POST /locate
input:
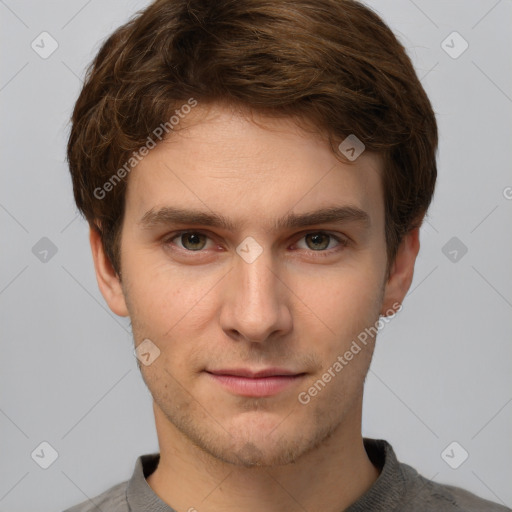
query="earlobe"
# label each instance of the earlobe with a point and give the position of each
(402, 272)
(107, 278)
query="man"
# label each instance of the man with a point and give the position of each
(255, 174)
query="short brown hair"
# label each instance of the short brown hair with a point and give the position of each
(333, 63)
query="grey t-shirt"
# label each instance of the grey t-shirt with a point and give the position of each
(399, 488)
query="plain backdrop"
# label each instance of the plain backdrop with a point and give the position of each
(442, 368)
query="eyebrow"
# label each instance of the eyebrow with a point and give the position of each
(169, 215)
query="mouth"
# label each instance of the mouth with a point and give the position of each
(250, 383)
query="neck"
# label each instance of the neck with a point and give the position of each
(329, 478)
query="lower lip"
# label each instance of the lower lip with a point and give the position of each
(260, 386)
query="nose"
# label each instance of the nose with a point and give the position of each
(256, 301)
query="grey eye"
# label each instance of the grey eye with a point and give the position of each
(317, 241)
(193, 241)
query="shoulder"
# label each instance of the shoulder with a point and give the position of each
(428, 496)
(113, 500)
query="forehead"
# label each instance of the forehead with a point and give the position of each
(250, 168)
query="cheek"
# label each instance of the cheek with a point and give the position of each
(343, 298)
(162, 297)
(342, 307)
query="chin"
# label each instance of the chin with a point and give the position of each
(253, 454)
(261, 443)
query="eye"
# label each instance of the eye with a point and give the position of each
(190, 240)
(318, 241)
(321, 241)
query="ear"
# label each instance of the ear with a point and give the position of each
(108, 280)
(402, 271)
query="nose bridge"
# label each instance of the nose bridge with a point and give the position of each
(256, 307)
(256, 282)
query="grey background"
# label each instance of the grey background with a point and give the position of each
(441, 371)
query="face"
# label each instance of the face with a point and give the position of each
(250, 247)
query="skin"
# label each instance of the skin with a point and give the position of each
(290, 308)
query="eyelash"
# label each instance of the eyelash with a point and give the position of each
(342, 241)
